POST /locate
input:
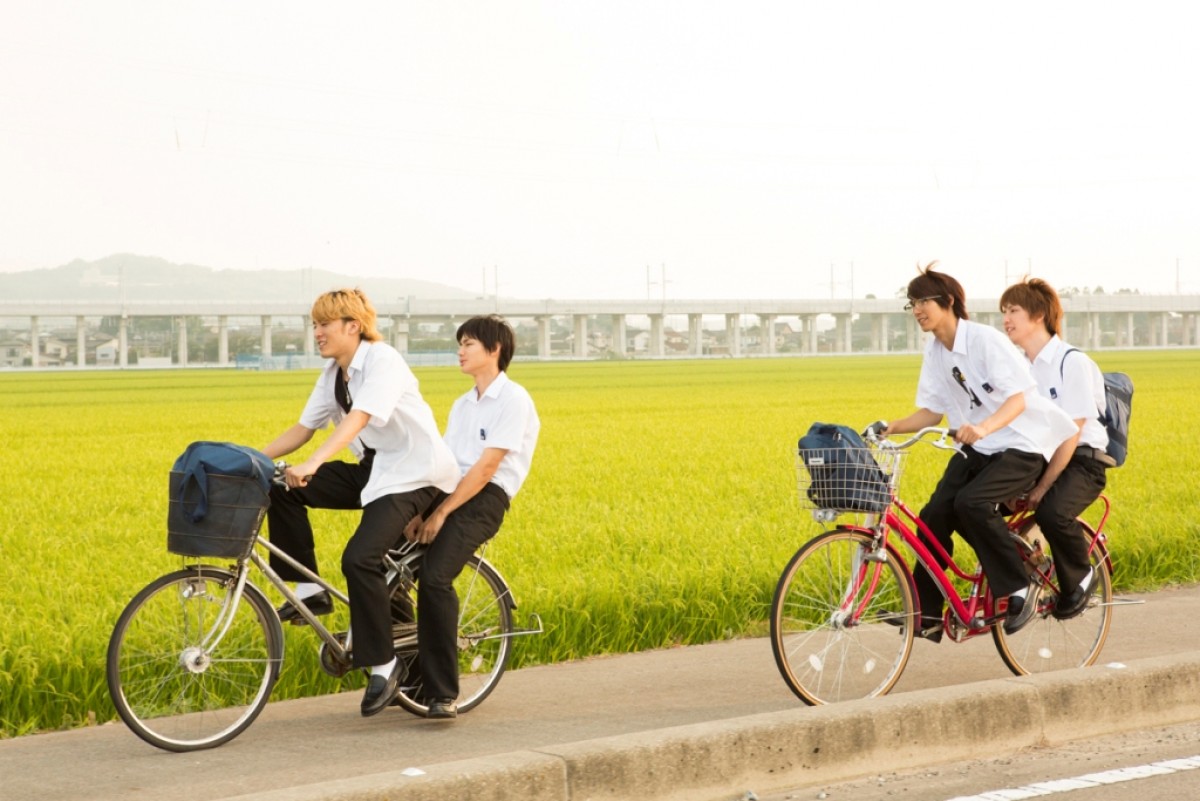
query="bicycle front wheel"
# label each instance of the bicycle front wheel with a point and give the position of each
(187, 667)
(841, 619)
(485, 627)
(1046, 643)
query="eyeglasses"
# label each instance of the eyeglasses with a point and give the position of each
(916, 303)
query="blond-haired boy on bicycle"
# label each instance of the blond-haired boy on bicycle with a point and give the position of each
(372, 398)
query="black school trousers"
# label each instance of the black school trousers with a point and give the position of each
(466, 528)
(338, 485)
(967, 499)
(1079, 484)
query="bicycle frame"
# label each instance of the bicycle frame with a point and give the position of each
(976, 614)
(928, 551)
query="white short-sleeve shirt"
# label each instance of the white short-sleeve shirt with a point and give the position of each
(409, 453)
(1074, 383)
(504, 417)
(970, 382)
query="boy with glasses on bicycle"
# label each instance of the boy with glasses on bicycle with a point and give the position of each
(972, 376)
(371, 396)
(492, 431)
(1075, 476)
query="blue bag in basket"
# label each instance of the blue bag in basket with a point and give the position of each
(845, 476)
(220, 458)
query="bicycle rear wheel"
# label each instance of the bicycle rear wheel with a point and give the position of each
(1046, 643)
(840, 619)
(188, 670)
(485, 625)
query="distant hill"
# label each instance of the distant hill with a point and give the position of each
(147, 278)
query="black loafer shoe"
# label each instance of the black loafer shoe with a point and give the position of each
(319, 604)
(1073, 603)
(442, 709)
(1020, 611)
(381, 690)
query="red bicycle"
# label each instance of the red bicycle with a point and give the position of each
(845, 611)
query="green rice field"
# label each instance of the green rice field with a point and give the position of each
(660, 511)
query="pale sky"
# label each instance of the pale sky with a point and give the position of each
(747, 150)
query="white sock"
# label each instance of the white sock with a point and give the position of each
(306, 589)
(384, 670)
(1021, 593)
(1087, 580)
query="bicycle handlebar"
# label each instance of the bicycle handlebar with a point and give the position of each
(944, 439)
(277, 478)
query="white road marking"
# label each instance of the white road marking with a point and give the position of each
(1055, 786)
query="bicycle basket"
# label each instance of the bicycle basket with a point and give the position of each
(236, 506)
(836, 470)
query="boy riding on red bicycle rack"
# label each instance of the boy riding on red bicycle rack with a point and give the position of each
(972, 376)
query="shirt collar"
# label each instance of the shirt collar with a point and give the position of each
(360, 356)
(1049, 352)
(494, 388)
(960, 336)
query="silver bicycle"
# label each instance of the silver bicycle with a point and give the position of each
(194, 656)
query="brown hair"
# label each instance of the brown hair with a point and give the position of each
(350, 305)
(942, 288)
(1038, 298)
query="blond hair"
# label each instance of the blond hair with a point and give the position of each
(350, 305)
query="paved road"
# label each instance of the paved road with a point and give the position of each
(296, 743)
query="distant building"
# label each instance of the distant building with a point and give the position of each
(14, 352)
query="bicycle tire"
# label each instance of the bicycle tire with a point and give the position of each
(485, 625)
(168, 687)
(1047, 643)
(830, 618)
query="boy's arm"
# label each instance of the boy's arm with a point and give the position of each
(293, 439)
(921, 418)
(350, 427)
(475, 479)
(1010, 410)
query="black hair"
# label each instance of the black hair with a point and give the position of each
(490, 330)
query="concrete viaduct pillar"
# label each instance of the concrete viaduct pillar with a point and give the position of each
(810, 331)
(845, 332)
(35, 342)
(399, 335)
(695, 334)
(266, 336)
(767, 326)
(581, 334)
(123, 342)
(619, 341)
(181, 338)
(223, 340)
(543, 337)
(657, 344)
(80, 341)
(733, 333)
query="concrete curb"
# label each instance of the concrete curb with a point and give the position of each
(777, 750)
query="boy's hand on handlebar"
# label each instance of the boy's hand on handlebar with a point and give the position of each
(969, 434)
(298, 475)
(876, 431)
